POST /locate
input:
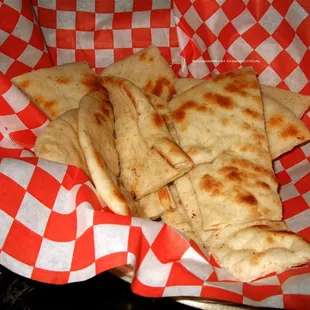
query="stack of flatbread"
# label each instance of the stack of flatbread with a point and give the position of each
(197, 154)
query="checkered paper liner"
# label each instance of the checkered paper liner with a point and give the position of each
(53, 227)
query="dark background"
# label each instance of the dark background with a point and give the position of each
(105, 291)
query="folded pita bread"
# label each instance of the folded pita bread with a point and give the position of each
(294, 133)
(176, 220)
(59, 142)
(177, 217)
(188, 206)
(176, 198)
(71, 117)
(180, 223)
(284, 129)
(96, 136)
(153, 205)
(255, 249)
(220, 124)
(161, 106)
(297, 103)
(147, 69)
(58, 89)
(149, 158)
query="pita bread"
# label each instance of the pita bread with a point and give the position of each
(71, 117)
(58, 89)
(255, 249)
(295, 131)
(176, 198)
(284, 129)
(96, 136)
(149, 158)
(147, 69)
(235, 190)
(179, 219)
(297, 103)
(176, 217)
(59, 142)
(161, 106)
(189, 206)
(183, 84)
(166, 198)
(176, 220)
(220, 125)
(153, 205)
(193, 236)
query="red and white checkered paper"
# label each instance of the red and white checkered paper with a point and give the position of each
(53, 227)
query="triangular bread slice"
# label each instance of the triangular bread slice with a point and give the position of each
(147, 69)
(58, 89)
(297, 103)
(292, 106)
(284, 129)
(59, 142)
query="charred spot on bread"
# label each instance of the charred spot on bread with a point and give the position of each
(24, 84)
(62, 80)
(223, 102)
(157, 120)
(247, 199)
(252, 113)
(276, 121)
(289, 131)
(92, 82)
(159, 86)
(179, 114)
(211, 185)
